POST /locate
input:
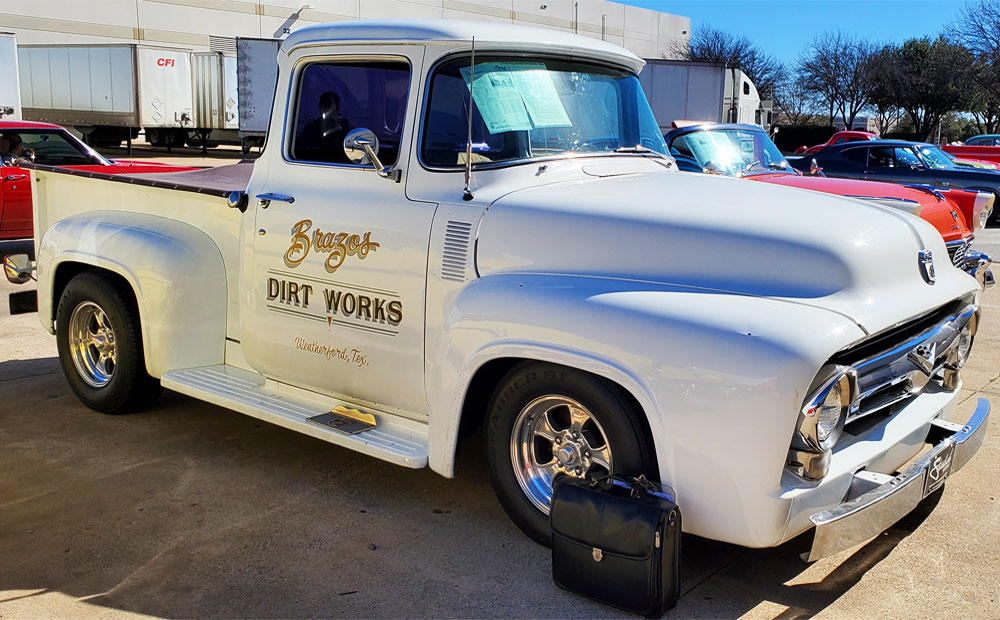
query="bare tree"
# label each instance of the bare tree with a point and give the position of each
(711, 45)
(835, 69)
(978, 29)
(793, 101)
(882, 96)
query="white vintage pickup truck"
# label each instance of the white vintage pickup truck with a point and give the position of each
(391, 273)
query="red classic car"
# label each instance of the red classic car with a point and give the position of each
(745, 151)
(54, 146)
(986, 147)
(837, 138)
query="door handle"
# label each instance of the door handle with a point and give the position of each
(266, 199)
(15, 177)
(866, 172)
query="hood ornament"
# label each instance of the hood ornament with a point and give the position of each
(926, 260)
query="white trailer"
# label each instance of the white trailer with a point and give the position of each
(10, 98)
(700, 91)
(216, 109)
(743, 106)
(257, 76)
(109, 92)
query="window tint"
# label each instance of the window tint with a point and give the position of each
(334, 98)
(881, 158)
(857, 156)
(906, 157)
(53, 148)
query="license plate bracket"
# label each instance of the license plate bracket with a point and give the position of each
(939, 469)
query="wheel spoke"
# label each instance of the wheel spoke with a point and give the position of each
(578, 417)
(543, 427)
(601, 457)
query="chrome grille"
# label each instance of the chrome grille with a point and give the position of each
(903, 365)
(957, 251)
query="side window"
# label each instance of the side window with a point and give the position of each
(906, 157)
(859, 157)
(838, 140)
(881, 158)
(335, 98)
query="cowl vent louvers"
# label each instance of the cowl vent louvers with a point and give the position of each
(455, 255)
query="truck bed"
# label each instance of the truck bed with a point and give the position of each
(60, 193)
(218, 181)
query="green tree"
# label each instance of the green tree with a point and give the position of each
(927, 79)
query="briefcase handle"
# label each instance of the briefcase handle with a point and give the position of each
(637, 487)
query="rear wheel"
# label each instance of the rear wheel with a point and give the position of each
(546, 421)
(100, 346)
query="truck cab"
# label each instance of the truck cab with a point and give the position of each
(458, 224)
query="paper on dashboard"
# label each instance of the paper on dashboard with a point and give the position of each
(497, 97)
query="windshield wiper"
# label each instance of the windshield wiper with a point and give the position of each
(645, 150)
(748, 167)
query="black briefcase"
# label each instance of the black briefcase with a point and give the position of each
(617, 541)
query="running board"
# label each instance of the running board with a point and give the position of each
(394, 439)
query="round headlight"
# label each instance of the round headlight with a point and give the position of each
(823, 414)
(964, 345)
(829, 415)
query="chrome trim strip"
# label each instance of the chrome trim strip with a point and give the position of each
(869, 514)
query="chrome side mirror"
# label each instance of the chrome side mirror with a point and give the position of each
(17, 268)
(361, 147)
(815, 170)
(354, 146)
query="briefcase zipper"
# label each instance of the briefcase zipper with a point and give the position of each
(656, 539)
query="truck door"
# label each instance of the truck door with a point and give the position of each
(15, 203)
(336, 297)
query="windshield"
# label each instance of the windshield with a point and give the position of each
(534, 108)
(935, 157)
(55, 147)
(733, 152)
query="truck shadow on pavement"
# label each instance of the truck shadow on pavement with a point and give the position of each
(189, 510)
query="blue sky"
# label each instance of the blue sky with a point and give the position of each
(785, 27)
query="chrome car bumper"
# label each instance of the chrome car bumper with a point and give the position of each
(877, 501)
(977, 264)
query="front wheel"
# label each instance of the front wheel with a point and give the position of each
(547, 420)
(100, 346)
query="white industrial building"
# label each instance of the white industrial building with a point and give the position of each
(214, 24)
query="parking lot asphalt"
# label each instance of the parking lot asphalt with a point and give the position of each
(189, 510)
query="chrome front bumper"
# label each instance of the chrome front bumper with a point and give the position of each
(977, 265)
(877, 501)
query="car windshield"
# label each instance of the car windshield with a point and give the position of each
(54, 147)
(534, 108)
(935, 157)
(733, 152)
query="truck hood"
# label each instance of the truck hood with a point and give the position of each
(850, 257)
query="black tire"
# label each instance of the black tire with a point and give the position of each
(627, 435)
(130, 388)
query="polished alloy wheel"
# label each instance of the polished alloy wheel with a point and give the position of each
(92, 344)
(556, 435)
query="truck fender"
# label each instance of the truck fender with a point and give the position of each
(175, 271)
(707, 368)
